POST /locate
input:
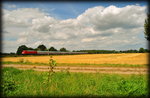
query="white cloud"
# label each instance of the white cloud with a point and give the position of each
(21, 17)
(43, 24)
(111, 17)
(22, 40)
(87, 39)
(96, 28)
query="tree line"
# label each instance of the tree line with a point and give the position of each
(141, 50)
(44, 48)
(39, 48)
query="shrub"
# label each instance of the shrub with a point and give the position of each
(8, 84)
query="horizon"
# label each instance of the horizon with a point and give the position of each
(79, 50)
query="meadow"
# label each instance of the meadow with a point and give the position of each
(33, 83)
(120, 59)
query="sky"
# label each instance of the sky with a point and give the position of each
(74, 25)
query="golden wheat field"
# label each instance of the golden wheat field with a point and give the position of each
(122, 58)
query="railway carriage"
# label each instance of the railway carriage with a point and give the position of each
(33, 52)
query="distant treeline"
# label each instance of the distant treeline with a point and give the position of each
(39, 48)
(44, 48)
(141, 50)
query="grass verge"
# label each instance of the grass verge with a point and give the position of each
(33, 83)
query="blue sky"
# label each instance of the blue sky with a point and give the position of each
(74, 25)
(65, 10)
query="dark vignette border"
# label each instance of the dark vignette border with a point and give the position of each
(1, 45)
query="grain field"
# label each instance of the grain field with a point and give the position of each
(122, 58)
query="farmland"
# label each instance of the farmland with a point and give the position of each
(87, 59)
(119, 75)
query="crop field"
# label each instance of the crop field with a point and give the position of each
(87, 59)
(33, 83)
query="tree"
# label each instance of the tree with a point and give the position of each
(42, 47)
(63, 49)
(29, 48)
(52, 49)
(146, 27)
(141, 50)
(21, 48)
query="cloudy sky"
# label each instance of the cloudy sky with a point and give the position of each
(74, 25)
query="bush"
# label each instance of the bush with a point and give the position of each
(9, 86)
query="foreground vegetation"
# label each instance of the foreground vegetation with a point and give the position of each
(32, 83)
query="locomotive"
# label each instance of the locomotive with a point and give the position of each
(33, 52)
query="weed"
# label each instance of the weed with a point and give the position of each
(52, 64)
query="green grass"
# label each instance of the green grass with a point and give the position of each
(33, 83)
(23, 63)
(73, 64)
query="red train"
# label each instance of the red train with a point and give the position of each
(29, 52)
(33, 52)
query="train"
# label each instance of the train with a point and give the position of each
(33, 52)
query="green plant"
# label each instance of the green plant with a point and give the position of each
(9, 85)
(52, 64)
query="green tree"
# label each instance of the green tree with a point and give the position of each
(21, 48)
(52, 49)
(146, 27)
(30, 48)
(63, 49)
(42, 47)
(141, 50)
